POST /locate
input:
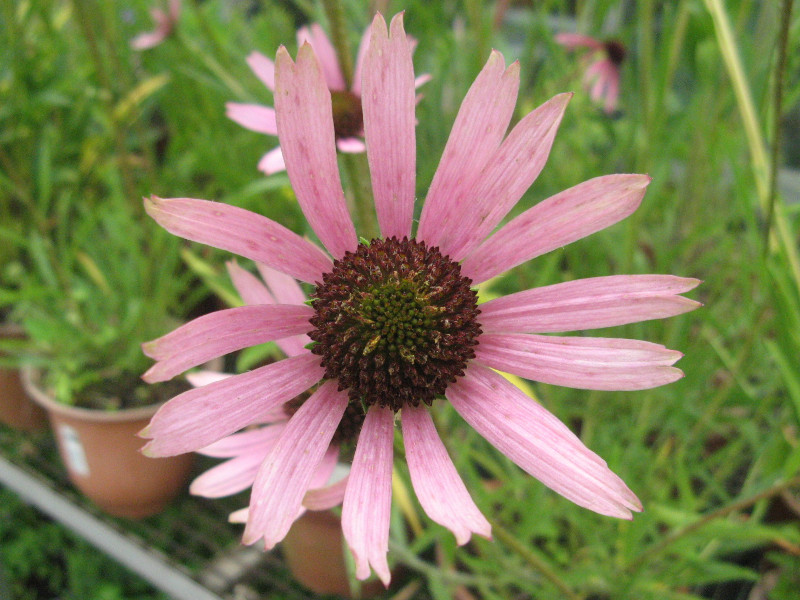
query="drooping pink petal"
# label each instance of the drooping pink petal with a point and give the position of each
(326, 54)
(539, 443)
(593, 72)
(422, 80)
(598, 90)
(579, 362)
(576, 40)
(263, 67)
(198, 417)
(588, 304)
(368, 497)
(388, 103)
(284, 288)
(253, 116)
(436, 482)
(326, 497)
(251, 290)
(149, 39)
(239, 516)
(272, 162)
(477, 132)
(612, 91)
(561, 219)
(241, 232)
(509, 173)
(305, 131)
(204, 377)
(220, 333)
(286, 473)
(230, 477)
(251, 440)
(325, 468)
(351, 145)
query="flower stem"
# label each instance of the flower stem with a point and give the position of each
(335, 13)
(362, 206)
(533, 560)
(777, 113)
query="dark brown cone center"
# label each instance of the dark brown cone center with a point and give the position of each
(348, 120)
(395, 323)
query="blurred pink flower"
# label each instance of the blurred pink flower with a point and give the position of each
(347, 117)
(395, 322)
(165, 23)
(602, 72)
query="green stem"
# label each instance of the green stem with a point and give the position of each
(335, 13)
(362, 206)
(502, 534)
(777, 112)
(721, 512)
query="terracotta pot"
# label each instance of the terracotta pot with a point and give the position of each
(16, 408)
(102, 454)
(314, 552)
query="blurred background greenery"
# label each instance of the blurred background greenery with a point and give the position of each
(88, 126)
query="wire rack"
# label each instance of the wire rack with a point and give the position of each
(189, 551)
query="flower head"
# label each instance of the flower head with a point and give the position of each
(394, 323)
(165, 22)
(348, 122)
(602, 72)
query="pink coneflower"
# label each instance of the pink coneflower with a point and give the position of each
(348, 123)
(165, 22)
(602, 72)
(394, 321)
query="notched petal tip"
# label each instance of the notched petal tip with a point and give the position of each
(144, 433)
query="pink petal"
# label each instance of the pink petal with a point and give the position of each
(477, 132)
(325, 468)
(539, 443)
(561, 219)
(579, 362)
(598, 90)
(284, 288)
(241, 232)
(509, 173)
(230, 477)
(422, 80)
(436, 482)
(195, 419)
(326, 54)
(287, 472)
(272, 162)
(576, 40)
(201, 378)
(151, 39)
(220, 333)
(263, 67)
(612, 91)
(368, 498)
(253, 116)
(326, 497)
(305, 130)
(388, 103)
(588, 304)
(239, 516)
(251, 440)
(351, 145)
(251, 290)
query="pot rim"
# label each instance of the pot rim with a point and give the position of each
(30, 381)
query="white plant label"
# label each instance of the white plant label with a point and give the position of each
(74, 455)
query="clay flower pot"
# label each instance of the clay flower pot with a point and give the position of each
(101, 452)
(314, 552)
(16, 408)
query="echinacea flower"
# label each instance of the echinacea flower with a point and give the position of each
(602, 72)
(394, 320)
(347, 119)
(165, 22)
